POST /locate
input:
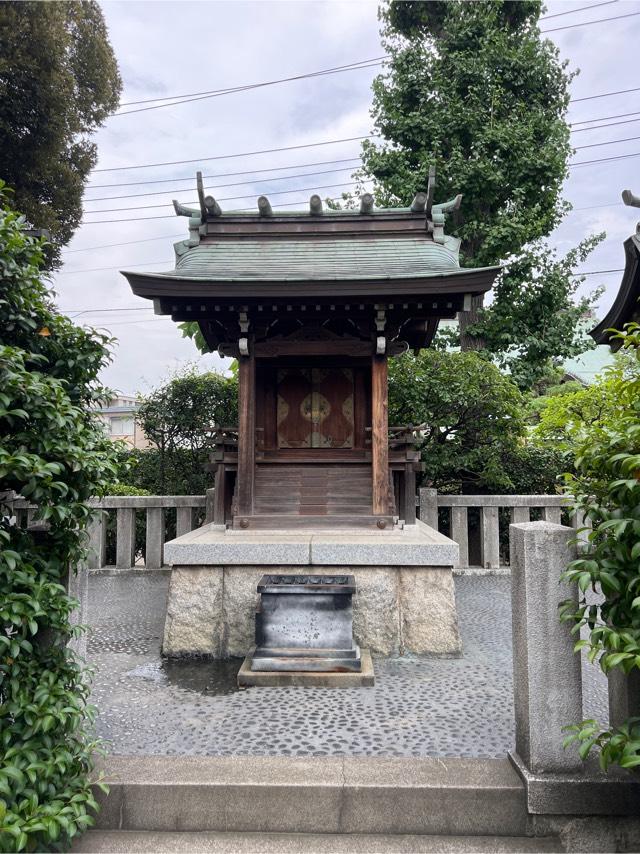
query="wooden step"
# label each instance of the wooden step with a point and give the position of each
(278, 521)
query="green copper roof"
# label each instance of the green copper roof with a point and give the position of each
(322, 259)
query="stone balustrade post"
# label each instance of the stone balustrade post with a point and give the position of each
(429, 507)
(460, 533)
(547, 679)
(624, 696)
(97, 530)
(125, 537)
(489, 537)
(154, 543)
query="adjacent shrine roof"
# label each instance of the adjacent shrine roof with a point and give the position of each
(626, 306)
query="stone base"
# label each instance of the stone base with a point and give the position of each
(396, 610)
(279, 679)
(404, 601)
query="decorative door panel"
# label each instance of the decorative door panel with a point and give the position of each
(294, 408)
(315, 408)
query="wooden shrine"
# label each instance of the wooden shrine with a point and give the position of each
(312, 304)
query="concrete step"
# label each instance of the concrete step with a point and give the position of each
(120, 842)
(250, 794)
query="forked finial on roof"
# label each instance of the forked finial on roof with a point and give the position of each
(315, 205)
(366, 203)
(264, 206)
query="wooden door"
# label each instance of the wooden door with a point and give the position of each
(315, 408)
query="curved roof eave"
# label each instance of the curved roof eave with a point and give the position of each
(626, 306)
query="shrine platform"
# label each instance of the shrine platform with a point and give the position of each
(404, 601)
(413, 545)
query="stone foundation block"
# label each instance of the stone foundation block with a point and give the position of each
(375, 610)
(193, 624)
(428, 617)
(211, 609)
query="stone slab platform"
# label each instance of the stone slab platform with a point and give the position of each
(188, 842)
(413, 545)
(248, 678)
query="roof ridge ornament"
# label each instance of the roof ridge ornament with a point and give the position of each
(632, 201)
(435, 214)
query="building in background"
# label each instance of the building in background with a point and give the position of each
(120, 421)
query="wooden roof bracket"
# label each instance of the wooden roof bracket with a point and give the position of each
(381, 322)
(243, 341)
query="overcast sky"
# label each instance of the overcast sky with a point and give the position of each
(175, 48)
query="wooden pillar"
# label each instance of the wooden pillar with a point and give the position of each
(379, 436)
(246, 432)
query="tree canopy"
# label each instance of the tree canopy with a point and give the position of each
(472, 89)
(475, 90)
(472, 417)
(59, 81)
(178, 418)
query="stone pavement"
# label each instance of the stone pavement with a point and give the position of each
(419, 706)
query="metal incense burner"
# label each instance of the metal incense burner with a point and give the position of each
(305, 623)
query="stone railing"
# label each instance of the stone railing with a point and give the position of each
(155, 507)
(190, 511)
(486, 530)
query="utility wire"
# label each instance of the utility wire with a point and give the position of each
(226, 174)
(609, 142)
(586, 23)
(581, 9)
(242, 154)
(270, 180)
(603, 119)
(608, 125)
(346, 67)
(604, 159)
(190, 188)
(230, 198)
(126, 243)
(217, 93)
(177, 100)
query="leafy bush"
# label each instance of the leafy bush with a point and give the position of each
(52, 452)
(179, 418)
(606, 488)
(472, 417)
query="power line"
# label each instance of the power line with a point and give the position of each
(604, 159)
(217, 93)
(271, 180)
(227, 198)
(177, 100)
(586, 23)
(581, 9)
(346, 67)
(224, 174)
(102, 269)
(606, 94)
(101, 310)
(608, 125)
(242, 154)
(603, 119)
(232, 184)
(126, 243)
(609, 142)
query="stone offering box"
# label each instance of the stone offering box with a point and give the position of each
(305, 623)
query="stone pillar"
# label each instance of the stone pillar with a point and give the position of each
(97, 530)
(460, 533)
(154, 547)
(547, 680)
(624, 696)
(125, 537)
(489, 538)
(429, 507)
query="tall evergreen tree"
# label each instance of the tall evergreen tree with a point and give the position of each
(475, 90)
(59, 81)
